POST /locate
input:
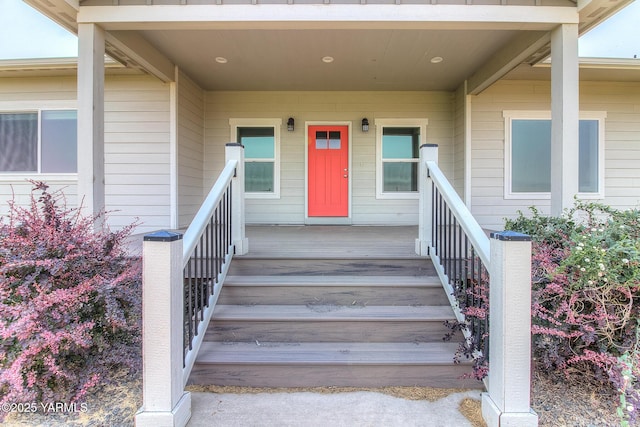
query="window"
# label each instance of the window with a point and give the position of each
(528, 155)
(399, 144)
(328, 140)
(42, 141)
(260, 138)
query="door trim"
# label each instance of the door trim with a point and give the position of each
(346, 220)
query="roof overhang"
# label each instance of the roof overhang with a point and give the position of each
(375, 46)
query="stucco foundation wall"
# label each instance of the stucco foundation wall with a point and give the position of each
(437, 107)
(620, 101)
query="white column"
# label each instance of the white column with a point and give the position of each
(564, 117)
(91, 47)
(428, 152)
(165, 403)
(235, 151)
(507, 400)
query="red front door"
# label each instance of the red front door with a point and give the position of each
(328, 171)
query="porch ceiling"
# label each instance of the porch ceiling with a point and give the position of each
(374, 59)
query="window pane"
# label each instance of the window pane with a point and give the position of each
(400, 176)
(19, 142)
(259, 143)
(400, 143)
(322, 140)
(334, 140)
(59, 136)
(531, 156)
(588, 154)
(258, 177)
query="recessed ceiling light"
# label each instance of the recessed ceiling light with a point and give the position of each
(436, 59)
(221, 60)
(327, 59)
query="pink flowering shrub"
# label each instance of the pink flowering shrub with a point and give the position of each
(473, 300)
(585, 293)
(70, 303)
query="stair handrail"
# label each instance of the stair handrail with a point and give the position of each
(183, 275)
(465, 218)
(460, 251)
(206, 210)
(206, 286)
(477, 271)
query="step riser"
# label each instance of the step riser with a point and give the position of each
(310, 267)
(327, 331)
(344, 295)
(339, 376)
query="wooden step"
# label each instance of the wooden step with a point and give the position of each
(329, 323)
(277, 364)
(361, 322)
(339, 290)
(247, 266)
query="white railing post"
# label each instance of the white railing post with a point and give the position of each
(428, 152)
(235, 151)
(507, 400)
(165, 403)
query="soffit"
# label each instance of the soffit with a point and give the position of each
(363, 59)
(591, 69)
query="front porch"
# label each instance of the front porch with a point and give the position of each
(301, 306)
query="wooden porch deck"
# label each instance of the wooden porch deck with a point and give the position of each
(321, 242)
(331, 242)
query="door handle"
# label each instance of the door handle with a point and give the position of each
(346, 174)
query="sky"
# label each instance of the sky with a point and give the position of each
(25, 33)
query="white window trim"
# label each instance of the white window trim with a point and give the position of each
(510, 115)
(37, 106)
(396, 123)
(235, 123)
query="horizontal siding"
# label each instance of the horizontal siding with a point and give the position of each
(32, 93)
(18, 190)
(459, 143)
(190, 122)
(437, 107)
(621, 102)
(137, 152)
(136, 146)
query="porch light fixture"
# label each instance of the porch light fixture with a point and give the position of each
(437, 59)
(290, 124)
(221, 60)
(365, 125)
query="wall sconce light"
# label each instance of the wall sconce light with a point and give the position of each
(290, 124)
(365, 125)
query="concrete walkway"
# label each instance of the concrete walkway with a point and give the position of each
(350, 409)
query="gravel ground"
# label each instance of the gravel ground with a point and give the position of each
(558, 403)
(110, 405)
(577, 402)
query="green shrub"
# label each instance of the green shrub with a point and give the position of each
(585, 292)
